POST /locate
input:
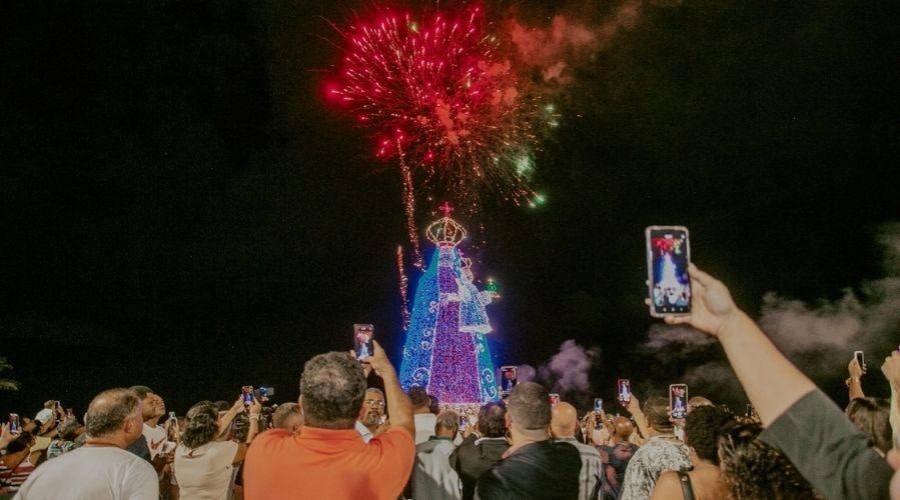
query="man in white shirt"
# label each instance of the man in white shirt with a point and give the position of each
(101, 469)
(433, 477)
(425, 420)
(371, 413)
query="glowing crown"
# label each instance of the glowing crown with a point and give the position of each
(445, 232)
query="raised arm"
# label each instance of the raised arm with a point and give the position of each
(854, 382)
(399, 404)
(772, 383)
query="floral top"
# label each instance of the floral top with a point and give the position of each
(658, 455)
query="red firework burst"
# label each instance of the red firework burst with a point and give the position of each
(441, 97)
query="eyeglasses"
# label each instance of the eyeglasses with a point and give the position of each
(373, 402)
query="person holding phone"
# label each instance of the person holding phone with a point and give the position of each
(799, 419)
(203, 466)
(328, 459)
(662, 451)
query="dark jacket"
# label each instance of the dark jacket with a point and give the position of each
(473, 457)
(541, 470)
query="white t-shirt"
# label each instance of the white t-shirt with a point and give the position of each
(156, 439)
(424, 426)
(205, 472)
(363, 431)
(92, 473)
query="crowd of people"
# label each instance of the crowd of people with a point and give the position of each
(348, 439)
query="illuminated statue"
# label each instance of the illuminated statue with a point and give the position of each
(446, 350)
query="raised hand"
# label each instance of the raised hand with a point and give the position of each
(711, 307)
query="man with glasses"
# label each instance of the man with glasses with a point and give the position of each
(371, 415)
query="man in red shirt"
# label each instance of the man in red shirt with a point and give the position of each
(328, 459)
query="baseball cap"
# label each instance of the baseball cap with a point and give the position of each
(44, 416)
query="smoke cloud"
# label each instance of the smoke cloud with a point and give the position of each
(823, 336)
(557, 50)
(819, 337)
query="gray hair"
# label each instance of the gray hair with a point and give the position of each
(109, 410)
(529, 406)
(332, 387)
(68, 429)
(447, 419)
(283, 415)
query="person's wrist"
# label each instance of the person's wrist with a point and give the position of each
(851, 381)
(729, 325)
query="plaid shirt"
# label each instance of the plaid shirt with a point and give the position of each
(591, 467)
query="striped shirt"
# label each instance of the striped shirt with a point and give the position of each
(12, 479)
(591, 467)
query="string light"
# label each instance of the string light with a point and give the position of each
(446, 348)
(404, 287)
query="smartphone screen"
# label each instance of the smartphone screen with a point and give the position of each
(363, 334)
(463, 422)
(172, 417)
(860, 359)
(509, 377)
(247, 393)
(678, 397)
(554, 399)
(598, 405)
(14, 423)
(668, 255)
(623, 390)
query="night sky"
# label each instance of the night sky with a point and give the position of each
(182, 209)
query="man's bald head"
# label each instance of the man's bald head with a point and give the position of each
(622, 428)
(563, 420)
(698, 401)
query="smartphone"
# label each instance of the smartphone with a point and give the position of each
(668, 256)
(265, 390)
(172, 417)
(554, 399)
(598, 405)
(750, 411)
(247, 393)
(509, 377)
(623, 390)
(678, 397)
(14, 423)
(463, 422)
(860, 360)
(363, 334)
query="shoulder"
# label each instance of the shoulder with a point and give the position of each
(668, 479)
(396, 436)
(273, 435)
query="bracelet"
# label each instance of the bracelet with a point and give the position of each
(851, 380)
(254, 416)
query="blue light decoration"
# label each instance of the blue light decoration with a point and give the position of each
(446, 349)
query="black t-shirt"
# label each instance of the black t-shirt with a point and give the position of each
(541, 470)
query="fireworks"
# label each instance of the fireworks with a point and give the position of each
(442, 97)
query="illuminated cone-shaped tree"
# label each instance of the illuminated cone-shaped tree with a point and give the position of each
(446, 350)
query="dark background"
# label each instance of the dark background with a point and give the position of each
(181, 208)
